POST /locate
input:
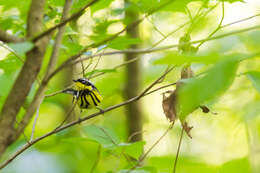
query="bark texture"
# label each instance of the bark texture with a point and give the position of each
(26, 77)
(39, 96)
(133, 110)
(8, 38)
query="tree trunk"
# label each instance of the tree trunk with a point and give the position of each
(133, 110)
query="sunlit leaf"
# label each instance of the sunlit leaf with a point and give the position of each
(176, 58)
(123, 42)
(180, 5)
(133, 149)
(252, 110)
(101, 135)
(146, 169)
(22, 6)
(237, 166)
(10, 64)
(100, 5)
(101, 27)
(254, 77)
(100, 71)
(231, 1)
(21, 48)
(56, 2)
(133, 171)
(197, 91)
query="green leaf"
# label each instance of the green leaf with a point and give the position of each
(101, 135)
(101, 27)
(231, 1)
(56, 2)
(176, 58)
(10, 64)
(100, 71)
(179, 5)
(254, 77)
(133, 149)
(21, 48)
(201, 89)
(123, 42)
(100, 5)
(237, 166)
(22, 6)
(251, 110)
(133, 171)
(145, 169)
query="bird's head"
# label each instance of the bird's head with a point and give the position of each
(84, 83)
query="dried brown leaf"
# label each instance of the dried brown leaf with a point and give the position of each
(168, 105)
(187, 128)
(204, 109)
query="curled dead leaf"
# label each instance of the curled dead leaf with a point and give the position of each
(204, 109)
(187, 128)
(168, 105)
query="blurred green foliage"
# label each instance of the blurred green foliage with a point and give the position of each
(225, 80)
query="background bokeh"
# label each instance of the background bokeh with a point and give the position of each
(226, 140)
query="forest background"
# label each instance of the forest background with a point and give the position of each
(136, 52)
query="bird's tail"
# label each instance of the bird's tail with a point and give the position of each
(71, 91)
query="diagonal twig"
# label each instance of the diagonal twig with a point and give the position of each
(56, 130)
(64, 22)
(178, 151)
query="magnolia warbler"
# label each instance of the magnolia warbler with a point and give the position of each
(86, 95)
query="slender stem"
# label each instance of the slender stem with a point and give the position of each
(35, 121)
(56, 130)
(218, 27)
(150, 149)
(178, 151)
(97, 159)
(72, 17)
(145, 51)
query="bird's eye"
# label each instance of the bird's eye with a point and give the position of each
(83, 81)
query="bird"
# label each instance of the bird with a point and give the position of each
(85, 94)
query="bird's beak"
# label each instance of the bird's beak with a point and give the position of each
(74, 80)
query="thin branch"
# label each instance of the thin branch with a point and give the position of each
(91, 77)
(94, 68)
(101, 73)
(148, 19)
(56, 130)
(116, 144)
(39, 96)
(134, 134)
(35, 121)
(178, 151)
(159, 88)
(68, 114)
(26, 77)
(97, 159)
(145, 51)
(58, 92)
(156, 81)
(218, 27)
(64, 22)
(198, 16)
(13, 52)
(141, 159)
(239, 21)
(94, 45)
(168, 35)
(116, 67)
(8, 38)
